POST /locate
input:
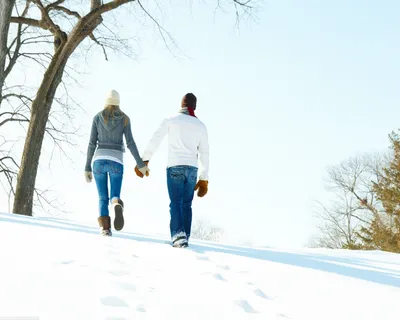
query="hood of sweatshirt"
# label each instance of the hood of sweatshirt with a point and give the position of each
(112, 121)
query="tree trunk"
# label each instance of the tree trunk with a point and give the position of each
(41, 106)
(6, 7)
(23, 201)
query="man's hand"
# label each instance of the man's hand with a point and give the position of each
(88, 176)
(202, 185)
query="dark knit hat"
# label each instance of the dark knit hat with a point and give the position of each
(189, 100)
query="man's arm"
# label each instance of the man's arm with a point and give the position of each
(155, 141)
(91, 147)
(204, 156)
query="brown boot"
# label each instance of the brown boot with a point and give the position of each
(118, 207)
(105, 225)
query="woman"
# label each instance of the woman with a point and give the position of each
(108, 128)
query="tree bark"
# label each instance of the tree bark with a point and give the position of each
(6, 7)
(41, 106)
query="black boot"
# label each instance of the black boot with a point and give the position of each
(118, 206)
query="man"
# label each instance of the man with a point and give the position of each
(187, 138)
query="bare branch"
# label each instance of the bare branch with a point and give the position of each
(243, 4)
(17, 41)
(78, 16)
(94, 4)
(54, 4)
(14, 58)
(42, 200)
(11, 119)
(52, 27)
(9, 158)
(19, 96)
(107, 7)
(67, 11)
(15, 115)
(30, 22)
(159, 27)
(37, 39)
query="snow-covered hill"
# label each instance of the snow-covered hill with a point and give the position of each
(60, 269)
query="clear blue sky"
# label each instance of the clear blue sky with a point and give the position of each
(304, 86)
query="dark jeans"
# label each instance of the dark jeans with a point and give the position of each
(102, 170)
(181, 181)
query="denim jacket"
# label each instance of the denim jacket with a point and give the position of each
(110, 136)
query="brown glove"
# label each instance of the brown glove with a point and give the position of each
(138, 173)
(202, 185)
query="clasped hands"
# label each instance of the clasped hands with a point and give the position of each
(144, 171)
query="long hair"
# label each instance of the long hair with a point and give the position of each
(111, 111)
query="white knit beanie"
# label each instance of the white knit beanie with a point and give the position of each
(112, 98)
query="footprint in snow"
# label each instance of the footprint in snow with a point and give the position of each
(245, 306)
(250, 283)
(119, 273)
(224, 267)
(135, 256)
(113, 302)
(127, 286)
(218, 276)
(120, 262)
(204, 258)
(261, 294)
(113, 252)
(283, 315)
(140, 308)
(67, 262)
(115, 318)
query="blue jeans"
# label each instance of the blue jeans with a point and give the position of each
(181, 181)
(102, 169)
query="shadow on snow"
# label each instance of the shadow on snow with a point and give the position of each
(317, 262)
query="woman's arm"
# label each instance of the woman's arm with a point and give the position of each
(91, 147)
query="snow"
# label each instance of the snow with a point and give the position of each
(57, 269)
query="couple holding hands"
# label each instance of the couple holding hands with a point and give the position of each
(187, 144)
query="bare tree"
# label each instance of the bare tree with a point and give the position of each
(15, 104)
(354, 201)
(6, 7)
(65, 44)
(203, 230)
(338, 227)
